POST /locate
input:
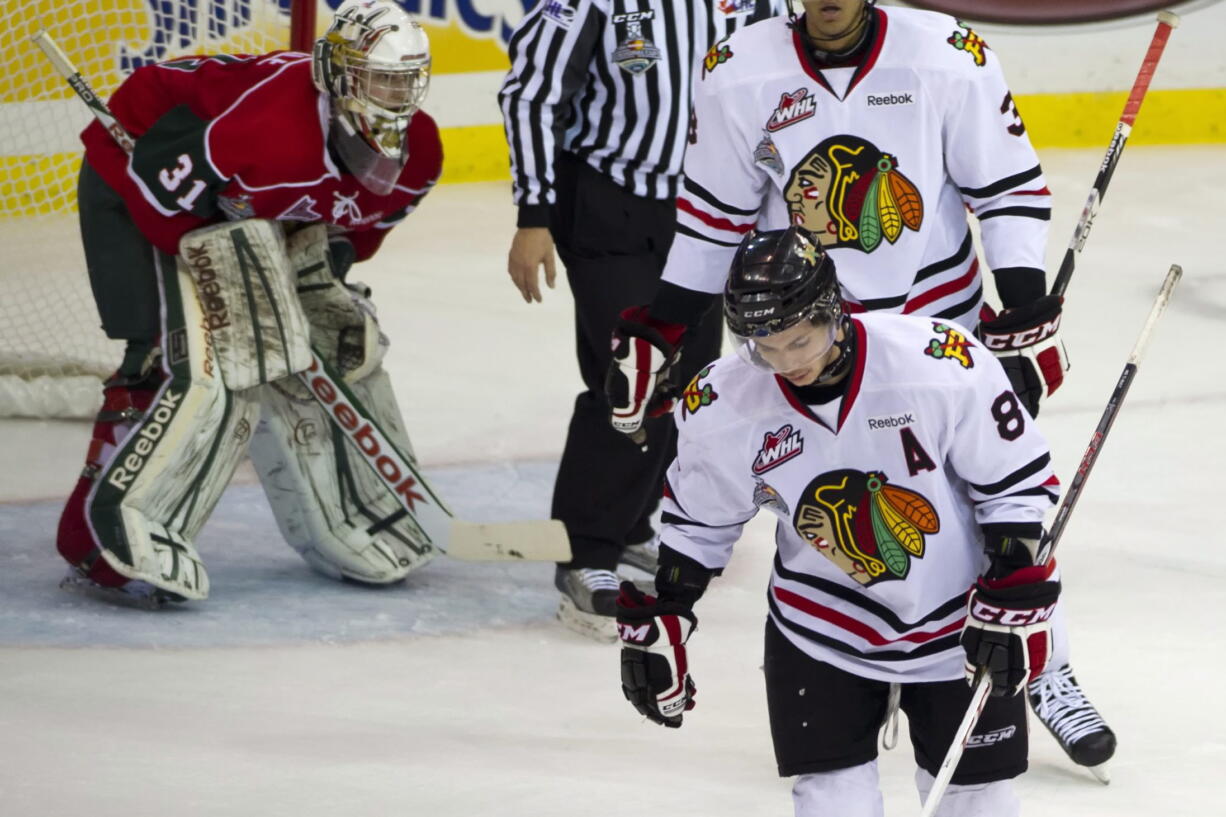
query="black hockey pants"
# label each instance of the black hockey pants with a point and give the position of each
(613, 245)
(121, 268)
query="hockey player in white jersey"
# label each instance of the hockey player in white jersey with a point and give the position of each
(878, 130)
(904, 472)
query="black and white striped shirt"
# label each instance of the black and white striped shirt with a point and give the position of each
(609, 81)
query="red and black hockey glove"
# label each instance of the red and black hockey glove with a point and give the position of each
(1008, 627)
(655, 670)
(1027, 342)
(639, 381)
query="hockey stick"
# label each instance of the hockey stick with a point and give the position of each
(1167, 22)
(534, 540)
(983, 681)
(1109, 414)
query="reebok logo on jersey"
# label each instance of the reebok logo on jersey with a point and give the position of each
(991, 738)
(777, 448)
(892, 421)
(794, 107)
(878, 100)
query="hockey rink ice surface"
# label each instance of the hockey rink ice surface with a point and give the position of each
(287, 695)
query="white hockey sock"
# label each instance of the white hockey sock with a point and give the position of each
(997, 798)
(850, 792)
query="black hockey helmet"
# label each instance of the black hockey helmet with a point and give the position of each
(777, 279)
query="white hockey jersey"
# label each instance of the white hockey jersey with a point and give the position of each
(881, 161)
(879, 503)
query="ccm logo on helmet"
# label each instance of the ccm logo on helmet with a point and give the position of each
(999, 341)
(758, 313)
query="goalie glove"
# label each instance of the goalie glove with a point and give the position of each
(655, 670)
(1027, 342)
(1008, 627)
(639, 381)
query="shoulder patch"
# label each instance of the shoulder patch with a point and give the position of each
(697, 395)
(954, 346)
(558, 12)
(970, 42)
(719, 54)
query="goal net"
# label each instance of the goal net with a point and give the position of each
(53, 353)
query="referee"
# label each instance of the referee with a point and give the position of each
(597, 111)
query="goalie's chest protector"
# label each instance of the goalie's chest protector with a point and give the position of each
(877, 538)
(857, 154)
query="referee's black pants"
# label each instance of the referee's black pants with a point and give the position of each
(613, 245)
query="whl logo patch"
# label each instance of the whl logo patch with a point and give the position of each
(777, 448)
(794, 107)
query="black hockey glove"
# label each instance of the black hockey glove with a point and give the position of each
(639, 381)
(1026, 340)
(1008, 627)
(655, 671)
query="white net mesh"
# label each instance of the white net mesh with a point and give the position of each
(52, 351)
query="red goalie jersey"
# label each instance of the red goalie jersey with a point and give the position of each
(245, 137)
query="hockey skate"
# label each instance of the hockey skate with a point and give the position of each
(1060, 704)
(638, 564)
(135, 593)
(589, 601)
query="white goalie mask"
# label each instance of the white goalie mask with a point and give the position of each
(374, 61)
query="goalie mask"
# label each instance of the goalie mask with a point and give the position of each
(782, 303)
(374, 62)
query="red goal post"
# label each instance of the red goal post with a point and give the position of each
(53, 354)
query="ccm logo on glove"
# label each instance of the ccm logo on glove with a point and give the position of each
(983, 611)
(1000, 341)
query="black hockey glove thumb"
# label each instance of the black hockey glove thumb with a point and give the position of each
(639, 381)
(655, 670)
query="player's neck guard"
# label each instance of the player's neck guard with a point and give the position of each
(866, 23)
(376, 172)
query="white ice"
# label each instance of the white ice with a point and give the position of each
(458, 694)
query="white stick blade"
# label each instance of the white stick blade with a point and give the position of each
(542, 540)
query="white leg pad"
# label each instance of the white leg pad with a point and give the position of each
(163, 479)
(997, 798)
(247, 289)
(329, 505)
(853, 792)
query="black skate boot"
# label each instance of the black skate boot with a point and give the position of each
(1063, 708)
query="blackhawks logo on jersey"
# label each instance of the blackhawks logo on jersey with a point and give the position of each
(852, 194)
(868, 527)
(953, 346)
(719, 54)
(970, 42)
(697, 395)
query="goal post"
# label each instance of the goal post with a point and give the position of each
(53, 354)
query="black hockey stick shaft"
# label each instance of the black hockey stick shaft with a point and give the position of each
(1110, 413)
(544, 540)
(1167, 22)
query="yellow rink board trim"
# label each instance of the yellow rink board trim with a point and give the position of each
(32, 185)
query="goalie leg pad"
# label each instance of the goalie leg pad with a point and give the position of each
(163, 452)
(330, 506)
(242, 276)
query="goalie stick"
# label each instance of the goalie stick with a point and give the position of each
(532, 540)
(983, 681)
(1168, 21)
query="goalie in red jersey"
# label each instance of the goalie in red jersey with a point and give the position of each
(218, 251)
